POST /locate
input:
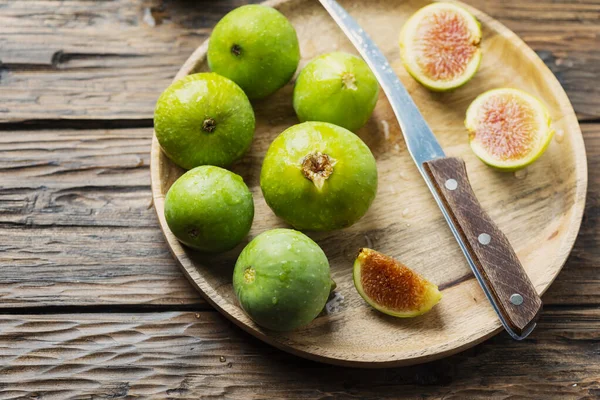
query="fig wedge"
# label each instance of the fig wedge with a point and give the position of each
(391, 287)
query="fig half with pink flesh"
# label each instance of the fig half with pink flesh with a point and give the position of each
(508, 128)
(439, 46)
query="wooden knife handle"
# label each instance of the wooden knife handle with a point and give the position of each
(515, 297)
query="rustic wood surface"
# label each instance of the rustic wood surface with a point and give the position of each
(539, 209)
(201, 355)
(78, 234)
(83, 59)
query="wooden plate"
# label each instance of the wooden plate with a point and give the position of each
(539, 209)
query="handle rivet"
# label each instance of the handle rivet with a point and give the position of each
(451, 184)
(516, 299)
(484, 239)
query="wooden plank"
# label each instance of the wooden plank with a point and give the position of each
(77, 225)
(111, 59)
(99, 59)
(579, 280)
(200, 355)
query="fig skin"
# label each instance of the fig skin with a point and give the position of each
(338, 88)
(282, 279)
(209, 209)
(204, 119)
(395, 282)
(256, 47)
(335, 202)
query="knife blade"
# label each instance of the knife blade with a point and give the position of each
(487, 250)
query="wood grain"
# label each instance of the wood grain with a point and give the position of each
(95, 59)
(201, 355)
(76, 222)
(75, 267)
(103, 59)
(540, 214)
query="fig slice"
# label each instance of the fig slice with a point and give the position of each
(508, 128)
(391, 287)
(439, 46)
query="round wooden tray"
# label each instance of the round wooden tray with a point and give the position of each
(538, 209)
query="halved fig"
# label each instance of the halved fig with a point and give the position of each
(508, 128)
(439, 46)
(391, 287)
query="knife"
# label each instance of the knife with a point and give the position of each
(487, 250)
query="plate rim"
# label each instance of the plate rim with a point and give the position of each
(574, 224)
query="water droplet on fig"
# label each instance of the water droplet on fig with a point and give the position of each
(559, 135)
(386, 129)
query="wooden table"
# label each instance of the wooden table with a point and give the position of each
(92, 305)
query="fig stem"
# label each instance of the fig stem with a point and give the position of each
(209, 125)
(317, 167)
(249, 275)
(236, 50)
(349, 81)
